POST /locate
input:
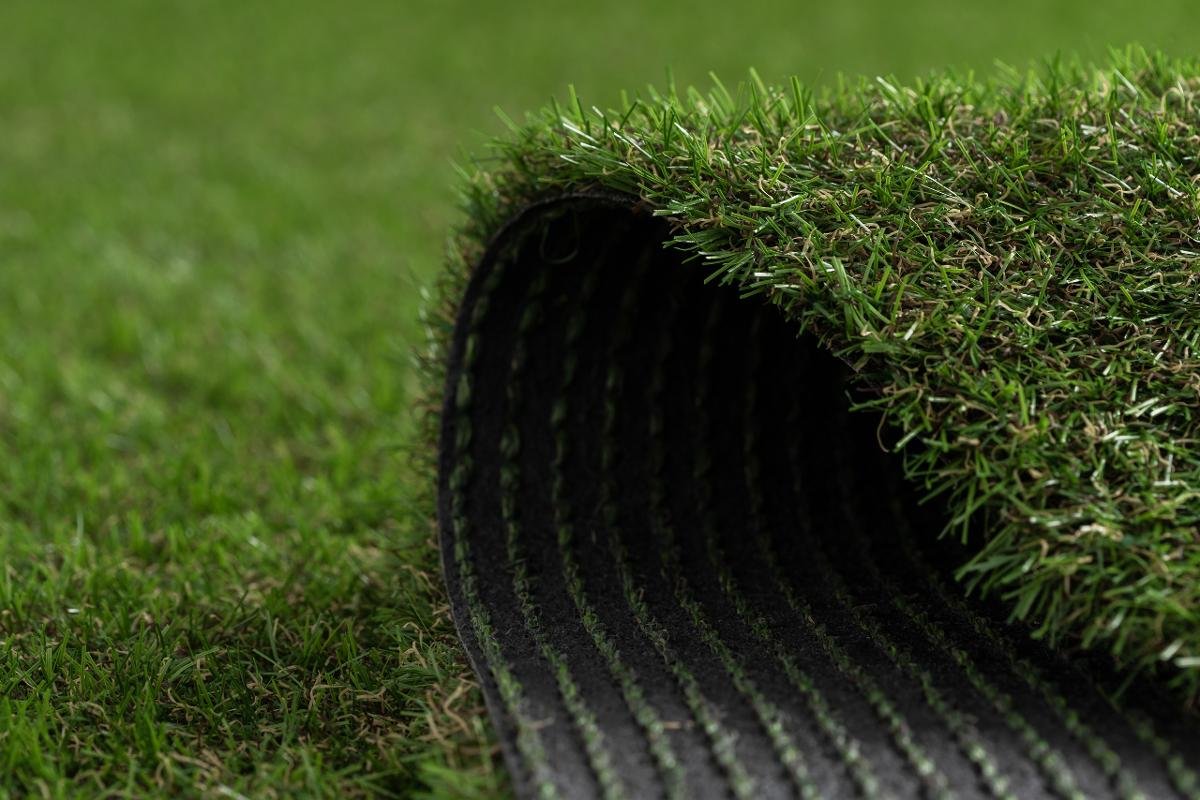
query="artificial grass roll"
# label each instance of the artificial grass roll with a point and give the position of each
(718, 370)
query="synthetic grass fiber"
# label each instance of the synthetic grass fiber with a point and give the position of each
(834, 445)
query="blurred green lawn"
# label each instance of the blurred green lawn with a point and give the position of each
(215, 221)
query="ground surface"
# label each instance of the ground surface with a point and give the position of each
(215, 218)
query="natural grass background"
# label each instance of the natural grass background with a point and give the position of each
(215, 220)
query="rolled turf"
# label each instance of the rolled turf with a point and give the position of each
(838, 445)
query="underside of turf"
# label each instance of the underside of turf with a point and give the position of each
(682, 565)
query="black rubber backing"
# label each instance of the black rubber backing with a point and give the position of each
(681, 567)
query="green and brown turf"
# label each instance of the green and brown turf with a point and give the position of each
(218, 576)
(684, 336)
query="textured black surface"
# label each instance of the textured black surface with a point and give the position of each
(681, 567)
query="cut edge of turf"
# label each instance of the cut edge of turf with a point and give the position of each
(724, 167)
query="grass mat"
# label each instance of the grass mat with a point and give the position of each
(681, 340)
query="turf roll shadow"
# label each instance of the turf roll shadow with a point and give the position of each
(682, 566)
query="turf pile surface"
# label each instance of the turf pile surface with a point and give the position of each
(837, 445)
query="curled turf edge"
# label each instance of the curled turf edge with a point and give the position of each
(1013, 264)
